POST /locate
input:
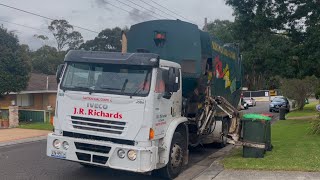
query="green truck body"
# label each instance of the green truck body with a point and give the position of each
(195, 50)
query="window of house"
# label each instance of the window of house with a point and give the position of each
(24, 100)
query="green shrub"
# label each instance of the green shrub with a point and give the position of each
(315, 126)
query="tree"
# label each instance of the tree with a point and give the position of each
(46, 60)
(107, 40)
(317, 93)
(64, 35)
(222, 29)
(14, 63)
(277, 37)
(269, 57)
(42, 38)
(299, 89)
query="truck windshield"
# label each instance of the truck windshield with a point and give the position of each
(107, 78)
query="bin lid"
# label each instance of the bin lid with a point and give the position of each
(255, 117)
(267, 114)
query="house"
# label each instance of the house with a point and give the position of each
(40, 93)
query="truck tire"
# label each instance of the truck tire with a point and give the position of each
(176, 158)
(225, 131)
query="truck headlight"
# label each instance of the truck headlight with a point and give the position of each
(271, 105)
(121, 153)
(132, 155)
(65, 145)
(56, 143)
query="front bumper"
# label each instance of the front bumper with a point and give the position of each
(102, 153)
(277, 108)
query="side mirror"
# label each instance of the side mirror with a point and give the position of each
(59, 72)
(173, 79)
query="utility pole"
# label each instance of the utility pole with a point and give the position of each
(205, 27)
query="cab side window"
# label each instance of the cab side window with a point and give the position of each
(161, 81)
(162, 84)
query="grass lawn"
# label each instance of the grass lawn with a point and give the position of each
(39, 126)
(294, 150)
(308, 110)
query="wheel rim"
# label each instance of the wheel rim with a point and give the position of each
(176, 156)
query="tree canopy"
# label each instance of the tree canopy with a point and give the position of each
(299, 89)
(107, 40)
(276, 38)
(46, 60)
(64, 34)
(14, 63)
(222, 29)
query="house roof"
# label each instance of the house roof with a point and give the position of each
(42, 82)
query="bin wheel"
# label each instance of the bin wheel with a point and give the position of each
(176, 158)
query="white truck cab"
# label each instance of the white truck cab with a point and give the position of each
(121, 111)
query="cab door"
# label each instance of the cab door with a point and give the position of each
(167, 102)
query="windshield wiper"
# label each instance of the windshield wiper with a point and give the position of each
(124, 85)
(108, 87)
(137, 91)
(141, 88)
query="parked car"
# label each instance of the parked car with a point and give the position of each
(244, 104)
(279, 102)
(250, 101)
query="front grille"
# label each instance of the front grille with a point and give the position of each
(99, 159)
(93, 148)
(83, 156)
(98, 125)
(98, 138)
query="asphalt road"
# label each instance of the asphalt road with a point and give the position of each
(262, 107)
(29, 161)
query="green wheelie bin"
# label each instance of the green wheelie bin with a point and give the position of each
(256, 128)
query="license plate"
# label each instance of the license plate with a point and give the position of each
(58, 154)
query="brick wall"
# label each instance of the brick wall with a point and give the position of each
(52, 100)
(37, 102)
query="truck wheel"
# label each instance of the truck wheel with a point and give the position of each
(224, 136)
(176, 158)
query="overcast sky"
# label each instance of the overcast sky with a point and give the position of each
(100, 14)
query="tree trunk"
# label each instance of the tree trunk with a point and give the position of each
(301, 103)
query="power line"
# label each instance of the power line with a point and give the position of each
(138, 15)
(170, 10)
(146, 8)
(28, 12)
(132, 7)
(24, 26)
(158, 9)
(123, 9)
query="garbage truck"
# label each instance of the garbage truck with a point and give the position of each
(172, 87)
